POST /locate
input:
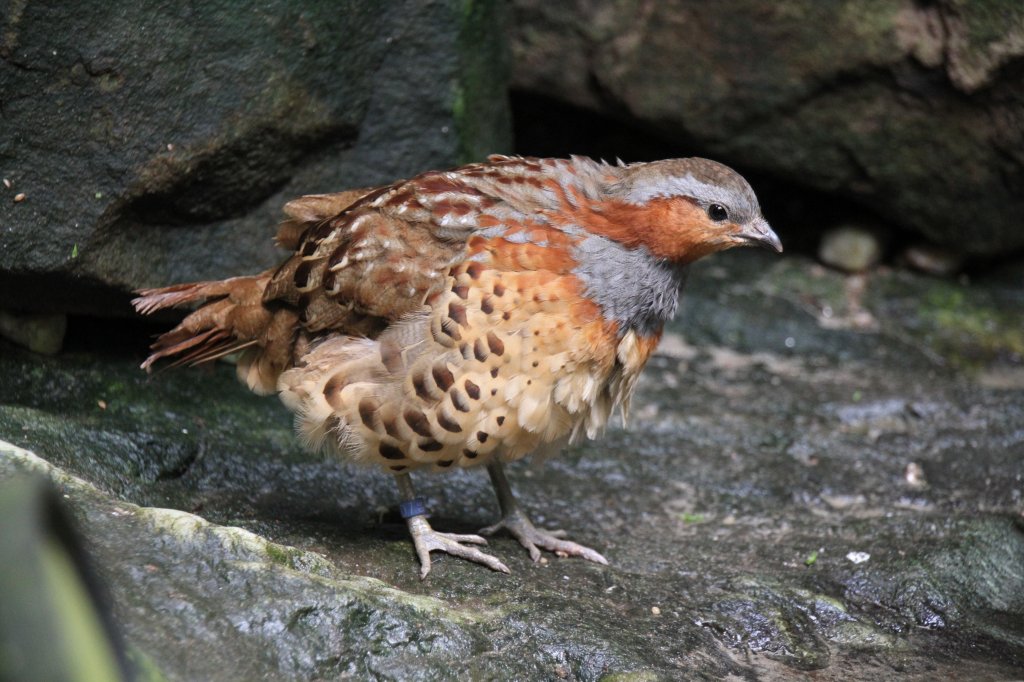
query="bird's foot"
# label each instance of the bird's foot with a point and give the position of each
(428, 540)
(534, 539)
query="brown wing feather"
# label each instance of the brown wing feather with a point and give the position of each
(311, 210)
(377, 260)
(362, 259)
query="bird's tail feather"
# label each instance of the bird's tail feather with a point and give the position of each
(231, 317)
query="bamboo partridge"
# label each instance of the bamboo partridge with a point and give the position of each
(468, 317)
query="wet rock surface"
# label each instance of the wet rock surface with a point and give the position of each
(822, 473)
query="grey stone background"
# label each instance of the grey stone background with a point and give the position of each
(823, 474)
(157, 141)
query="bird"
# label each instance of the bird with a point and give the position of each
(467, 317)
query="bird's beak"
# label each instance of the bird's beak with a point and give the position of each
(758, 232)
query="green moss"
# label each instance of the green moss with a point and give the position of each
(280, 555)
(862, 636)
(296, 559)
(633, 676)
(967, 330)
(989, 21)
(479, 98)
(459, 104)
(872, 22)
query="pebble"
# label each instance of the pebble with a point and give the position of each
(40, 333)
(914, 475)
(933, 260)
(850, 248)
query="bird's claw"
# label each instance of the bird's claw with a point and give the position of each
(534, 539)
(428, 540)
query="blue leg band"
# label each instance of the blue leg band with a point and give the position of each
(417, 506)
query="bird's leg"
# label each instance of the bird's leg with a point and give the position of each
(427, 540)
(515, 521)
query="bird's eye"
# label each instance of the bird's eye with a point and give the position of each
(717, 212)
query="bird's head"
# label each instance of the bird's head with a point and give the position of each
(684, 209)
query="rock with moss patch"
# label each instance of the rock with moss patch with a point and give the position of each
(913, 109)
(159, 142)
